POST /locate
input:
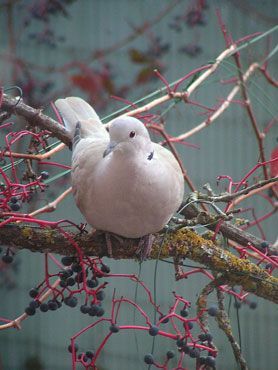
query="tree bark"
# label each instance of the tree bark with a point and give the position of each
(183, 243)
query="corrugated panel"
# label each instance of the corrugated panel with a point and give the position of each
(223, 150)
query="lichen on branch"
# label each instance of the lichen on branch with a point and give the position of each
(183, 243)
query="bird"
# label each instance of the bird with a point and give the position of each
(123, 183)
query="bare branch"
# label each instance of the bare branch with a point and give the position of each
(229, 197)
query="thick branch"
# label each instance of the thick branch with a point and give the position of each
(183, 243)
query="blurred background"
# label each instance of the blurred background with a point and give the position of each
(106, 52)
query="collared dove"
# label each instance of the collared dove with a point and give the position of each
(122, 182)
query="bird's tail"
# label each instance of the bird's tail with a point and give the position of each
(75, 110)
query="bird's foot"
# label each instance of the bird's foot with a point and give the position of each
(144, 247)
(109, 243)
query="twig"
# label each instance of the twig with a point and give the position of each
(50, 207)
(37, 157)
(16, 322)
(250, 190)
(222, 107)
(224, 323)
(259, 135)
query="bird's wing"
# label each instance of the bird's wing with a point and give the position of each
(74, 110)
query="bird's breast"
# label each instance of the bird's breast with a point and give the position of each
(128, 197)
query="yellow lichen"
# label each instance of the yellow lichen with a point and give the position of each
(27, 232)
(48, 234)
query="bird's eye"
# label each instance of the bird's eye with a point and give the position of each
(132, 134)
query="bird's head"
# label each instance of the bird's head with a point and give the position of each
(128, 134)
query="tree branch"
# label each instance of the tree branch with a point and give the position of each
(227, 229)
(182, 243)
(227, 197)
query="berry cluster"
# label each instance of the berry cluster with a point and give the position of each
(73, 275)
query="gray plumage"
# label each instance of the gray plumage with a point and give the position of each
(122, 181)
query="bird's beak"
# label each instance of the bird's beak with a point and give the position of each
(111, 146)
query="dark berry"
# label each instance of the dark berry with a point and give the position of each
(264, 245)
(85, 359)
(70, 281)
(64, 274)
(180, 342)
(75, 348)
(63, 283)
(202, 337)
(114, 328)
(90, 354)
(170, 354)
(194, 352)
(100, 311)
(253, 305)
(148, 359)
(190, 325)
(209, 337)
(14, 199)
(30, 311)
(84, 308)
(184, 312)
(44, 307)
(92, 283)
(164, 321)
(52, 305)
(185, 349)
(76, 267)
(268, 266)
(33, 292)
(44, 175)
(71, 301)
(153, 331)
(100, 295)
(105, 268)
(7, 258)
(67, 260)
(210, 361)
(93, 310)
(202, 360)
(212, 310)
(15, 206)
(34, 304)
